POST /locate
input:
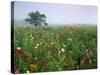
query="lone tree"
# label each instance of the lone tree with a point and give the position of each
(36, 18)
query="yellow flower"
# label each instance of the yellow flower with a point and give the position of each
(32, 67)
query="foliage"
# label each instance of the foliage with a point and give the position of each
(36, 18)
(55, 48)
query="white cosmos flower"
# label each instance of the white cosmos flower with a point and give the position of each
(59, 52)
(32, 38)
(58, 35)
(35, 46)
(51, 43)
(18, 48)
(35, 58)
(27, 71)
(31, 35)
(24, 26)
(63, 50)
(70, 39)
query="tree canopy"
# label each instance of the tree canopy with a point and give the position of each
(36, 18)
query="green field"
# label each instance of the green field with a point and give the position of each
(61, 48)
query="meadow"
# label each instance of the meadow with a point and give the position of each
(55, 48)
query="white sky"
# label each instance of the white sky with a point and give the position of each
(58, 13)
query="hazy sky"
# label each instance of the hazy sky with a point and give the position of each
(57, 13)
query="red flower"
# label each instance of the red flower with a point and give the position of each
(45, 64)
(26, 58)
(19, 52)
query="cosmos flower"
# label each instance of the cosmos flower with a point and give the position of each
(31, 35)
(27, 71)
(63, 50)
(18, 48)
(37, 45)
(35, 58)
(58, 35)
(32, 38)
(59, 52)
(45, 65)
(24, 26)
(25, 58)
(32, 68)
(69, 39)
(52, 43)
(19, 52)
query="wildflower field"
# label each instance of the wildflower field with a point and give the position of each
(51, 48)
